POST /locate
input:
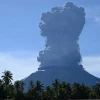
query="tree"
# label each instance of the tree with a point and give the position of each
(7, 78)
(38, 89)
(7, 83)
(34, 90)
(55, 86)
(65, 90)
(79, 91)
(30, 94)
(19, 90)
(47, 93)
(95, 91)
(2, 91)
(38, 86)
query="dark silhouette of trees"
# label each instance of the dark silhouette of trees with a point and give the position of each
(7, 78)
(7, 84)
(55, 86)
(65, 90)
(36, 91)
(95, 91)
(79, 91)
(2, 90)
(18, 90)
(48, 93)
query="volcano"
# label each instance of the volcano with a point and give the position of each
(61, 58)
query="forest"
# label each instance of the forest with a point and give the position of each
(10, 90)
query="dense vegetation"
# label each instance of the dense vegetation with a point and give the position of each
(36, 91)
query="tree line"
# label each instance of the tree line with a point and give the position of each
(36, 91)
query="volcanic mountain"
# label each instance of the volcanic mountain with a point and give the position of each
(61, 58)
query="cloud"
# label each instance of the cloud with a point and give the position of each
(92, 65)
(21, 66)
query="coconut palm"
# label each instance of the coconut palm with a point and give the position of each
(55, 86)
(79, 91)
(7, 78)
(19, 90)
(47, 93)
(7, 82)
(30, 94)
(95, 91)
(38, 89)
(2, 91)
(65, 90)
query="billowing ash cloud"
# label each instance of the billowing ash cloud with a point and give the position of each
(61, 26)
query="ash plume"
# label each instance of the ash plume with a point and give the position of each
(61, 27)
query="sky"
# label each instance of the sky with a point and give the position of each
(20, 39)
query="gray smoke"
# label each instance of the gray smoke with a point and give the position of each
(62, 27)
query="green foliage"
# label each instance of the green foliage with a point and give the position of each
(79, 91)
(36, 91)
(18, 90)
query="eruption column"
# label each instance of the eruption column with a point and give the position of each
(62, 27)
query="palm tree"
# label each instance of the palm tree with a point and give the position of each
(84, 91)
(38, 86)
(2, 91)
(34, 90)
(75, 93)
(7, 82)
(38, 89)
(79, 91)
(7, 78)
(65, 90)
(31, 85)
(30, 94)
(47, 93)
(55, 86)
(19, 90)
(95, 91)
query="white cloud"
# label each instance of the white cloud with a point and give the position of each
(92, 65)
(20, 66)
